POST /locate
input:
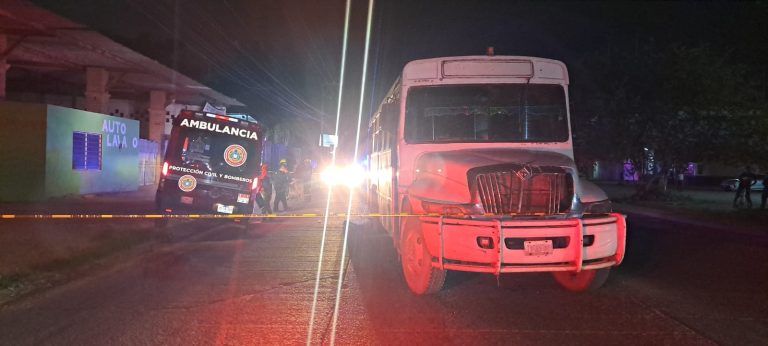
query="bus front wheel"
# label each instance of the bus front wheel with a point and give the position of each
(420, 275)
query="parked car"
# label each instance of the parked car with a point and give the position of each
(732, 184)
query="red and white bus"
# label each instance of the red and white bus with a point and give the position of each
(211, 166)
(479, 148)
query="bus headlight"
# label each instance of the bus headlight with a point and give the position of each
(579, 208)
(452, 209)
(599, 207)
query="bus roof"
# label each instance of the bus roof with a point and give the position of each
(531, 69)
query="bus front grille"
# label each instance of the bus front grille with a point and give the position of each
(524, 192)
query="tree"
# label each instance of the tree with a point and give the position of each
(685, 103)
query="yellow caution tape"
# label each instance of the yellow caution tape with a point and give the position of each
(201, 216)
(226, 216)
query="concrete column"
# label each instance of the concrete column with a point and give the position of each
(96, 95)
(157, 103)
(3, 65)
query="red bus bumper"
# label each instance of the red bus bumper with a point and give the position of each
(578, 244)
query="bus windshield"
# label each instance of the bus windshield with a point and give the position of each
(206, 150)
(486, 113)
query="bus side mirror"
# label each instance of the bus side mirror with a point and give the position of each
(390, 114)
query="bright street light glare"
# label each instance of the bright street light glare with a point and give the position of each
(351, 176)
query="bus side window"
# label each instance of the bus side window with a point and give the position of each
(389, 115)
(376, 134)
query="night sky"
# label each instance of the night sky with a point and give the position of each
(282, 58)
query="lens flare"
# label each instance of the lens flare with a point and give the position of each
(354, 158)
(333, 163)
(351, 176)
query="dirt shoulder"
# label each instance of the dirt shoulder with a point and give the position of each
(42, 253)
(39, 253)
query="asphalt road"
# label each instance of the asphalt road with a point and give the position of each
(225, 285)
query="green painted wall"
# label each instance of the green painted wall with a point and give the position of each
(120, 153)
(22, 151)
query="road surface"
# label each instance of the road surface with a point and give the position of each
(219, 284)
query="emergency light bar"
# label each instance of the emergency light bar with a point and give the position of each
(221, 117)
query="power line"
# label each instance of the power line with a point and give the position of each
(212, 56)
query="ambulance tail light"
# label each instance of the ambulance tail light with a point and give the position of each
(165, 168)
(255, 183)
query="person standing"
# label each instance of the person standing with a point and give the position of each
(746, 180)
(281, 181)
(261, 191)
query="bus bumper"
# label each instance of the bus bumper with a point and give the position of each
(577, 244)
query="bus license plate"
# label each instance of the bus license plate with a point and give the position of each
(538, 247)
(186, 200)
(226, 209)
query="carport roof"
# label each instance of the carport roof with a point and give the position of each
(46, 43)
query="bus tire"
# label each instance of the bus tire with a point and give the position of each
(420, 275)
(583, 281)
